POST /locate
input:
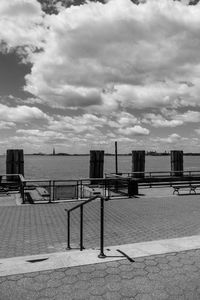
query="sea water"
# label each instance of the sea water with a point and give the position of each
(74, 167)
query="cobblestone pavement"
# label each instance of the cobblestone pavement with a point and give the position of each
(37, 229)
(170, 276)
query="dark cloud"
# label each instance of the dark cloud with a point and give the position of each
(50, 6)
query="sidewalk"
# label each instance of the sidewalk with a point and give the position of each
(170, 276)
(41, 229)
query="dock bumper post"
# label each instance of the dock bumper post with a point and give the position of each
(132, 187)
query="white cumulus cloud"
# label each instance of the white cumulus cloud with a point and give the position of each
(145, 52)
(21, 24)
(135, 130)
(21, 113)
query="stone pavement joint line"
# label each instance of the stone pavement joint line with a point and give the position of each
(28, 264)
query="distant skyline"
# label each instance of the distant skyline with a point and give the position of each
(81, 76)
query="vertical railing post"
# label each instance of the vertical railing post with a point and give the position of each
(150, 176)
(108, 188)
(77, 190)
(68, 231)
(81, 187)
(101, 254)
(81, 228)
(53, 192)
(22, 192)
(116, 159)
(49, 191)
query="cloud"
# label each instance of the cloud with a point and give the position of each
(78, 124)
(147, 52)
(21, 23)
(40, 133)
(147, 64)
(189, 116)
(6, 125)
(159, 121)
(171, 139)
(136, 130)
(109, 64)
(20, 114)
(176, 119)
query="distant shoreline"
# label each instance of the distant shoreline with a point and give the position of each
(108, 154)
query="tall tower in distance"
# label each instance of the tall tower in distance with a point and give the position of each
(54, 152)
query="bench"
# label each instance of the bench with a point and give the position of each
(191, 187)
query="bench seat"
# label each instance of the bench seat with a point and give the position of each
(190, 186)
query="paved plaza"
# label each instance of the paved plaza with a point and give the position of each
(41, 229)
(171, 276)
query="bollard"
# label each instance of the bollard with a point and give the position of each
(138, 163)
(176, 163)
(132, 188)
(14, 163)
(96, 165)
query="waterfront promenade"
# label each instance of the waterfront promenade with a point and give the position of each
(38, 232)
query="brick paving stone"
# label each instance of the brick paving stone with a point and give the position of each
(98, 290)
(69, 279)
(150, 262)
(98, 274)
(143, 296)
(126, 275)
(113, 278)
(128, 292)
(127, 268)
(152, 269)
(165, 266)
(112, 296)
(113, 270)
(96, 282)
(96, 297)
(35, 229)
(113, 286)
(71, 271)
(160, 295)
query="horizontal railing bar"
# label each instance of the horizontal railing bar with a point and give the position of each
(153, 172)
(85, 202)
(63, 180)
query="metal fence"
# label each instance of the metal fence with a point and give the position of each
(112, 185)
(60, 190)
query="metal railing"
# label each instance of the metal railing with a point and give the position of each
(112, 185)
(158, 178)
(58, 190)
(11, 181)
(152, 174)
(81, 205)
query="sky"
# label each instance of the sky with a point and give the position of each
(83, 75)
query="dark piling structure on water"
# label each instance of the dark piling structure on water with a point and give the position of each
(176, 162)
(96, 164)
(14, 162)
(138, 163)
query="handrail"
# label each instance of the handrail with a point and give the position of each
(85, 202)
(81, 205)
(153, 173)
